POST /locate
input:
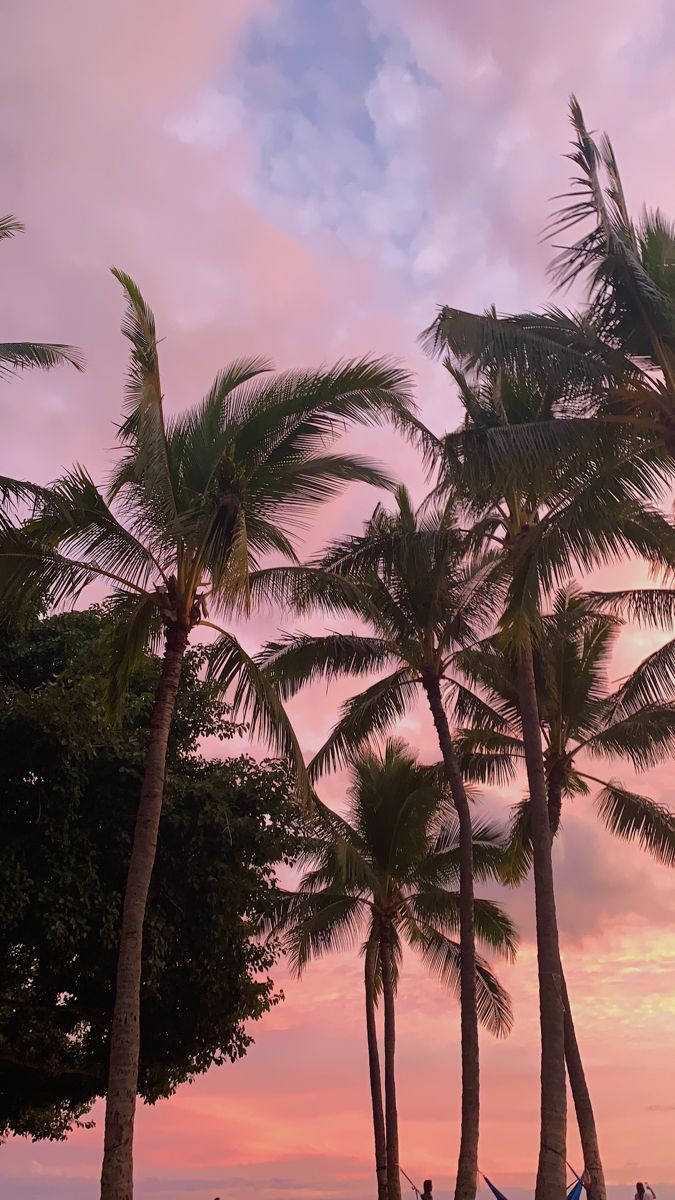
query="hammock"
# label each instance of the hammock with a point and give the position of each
(573, 1194)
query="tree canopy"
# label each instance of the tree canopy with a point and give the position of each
(67, 806)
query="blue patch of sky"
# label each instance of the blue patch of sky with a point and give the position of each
(304, 76)
(309, 39)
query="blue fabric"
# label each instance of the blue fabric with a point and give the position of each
(573, 1194)
(495, 1191)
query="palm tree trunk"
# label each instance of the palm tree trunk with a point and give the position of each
(551, 1171)
(117, 1172)
(375, 1077)
(575, 1067)
(467, 1166)
(582, 1105)
(391, 1113)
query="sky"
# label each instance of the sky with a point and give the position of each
(308, 179)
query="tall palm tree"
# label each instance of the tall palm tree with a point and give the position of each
(193, 503)
(17, 356)
(406, 578)
(580, 718)
(544, 516)
(383, 875)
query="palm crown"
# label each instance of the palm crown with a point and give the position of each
(548, 494)
(390, 865)
(406, 579)
(196, 501)
(619, 353)
(581, 719)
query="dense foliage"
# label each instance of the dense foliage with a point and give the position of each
(68, 796)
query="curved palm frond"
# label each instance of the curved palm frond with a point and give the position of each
(645, 737)
(440, 955)
(137, 630)
(555, 346)
(299, 659)
(488, 756)
(364, 717)
(319, 924)
(22, 356)
(652, 682)
(645, 606)
(146, 476)
(637, 818)
(439, 908)
(255, 699)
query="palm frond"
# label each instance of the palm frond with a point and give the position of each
(488, 756)
(645, 606)
(519, 855)
(255, 699)
(645, 737)
(637, 818)
(364, 717)
(22, 356)
(9, 227)
(652, 682)
(555, 346)
(147, 463)
(301, 658)
(438, 908)
(136, 631)
(320, 924)
(440, 955)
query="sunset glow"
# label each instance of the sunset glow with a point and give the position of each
(310, 179)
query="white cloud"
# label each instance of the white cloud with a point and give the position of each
(211, 121)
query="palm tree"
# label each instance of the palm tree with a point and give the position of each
(383, 875)
(406, 578)
(542, 516)
(192, 505)
(17, 356)
(620, 349)
(579, 718)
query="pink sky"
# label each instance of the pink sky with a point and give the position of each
(308, 180)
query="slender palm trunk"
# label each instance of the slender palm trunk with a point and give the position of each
(551, 1171)
(117, 1172)
(375, 1076)
(467, 1166)
(582, 1105)
(391, 1113)
(575, 1067)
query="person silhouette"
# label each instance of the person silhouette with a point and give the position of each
(426, 1194)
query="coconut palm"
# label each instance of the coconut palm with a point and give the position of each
(383, 876)
(546, 516)
(620, 349)
(405, 577)
(193, 503)
(17, 356)
(580, 719)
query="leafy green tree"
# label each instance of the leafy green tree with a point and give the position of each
(192, 505)
(384, 876)
(68, 789)
(406, 578)
(581, 721)
(539, 518)
(17, 356)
